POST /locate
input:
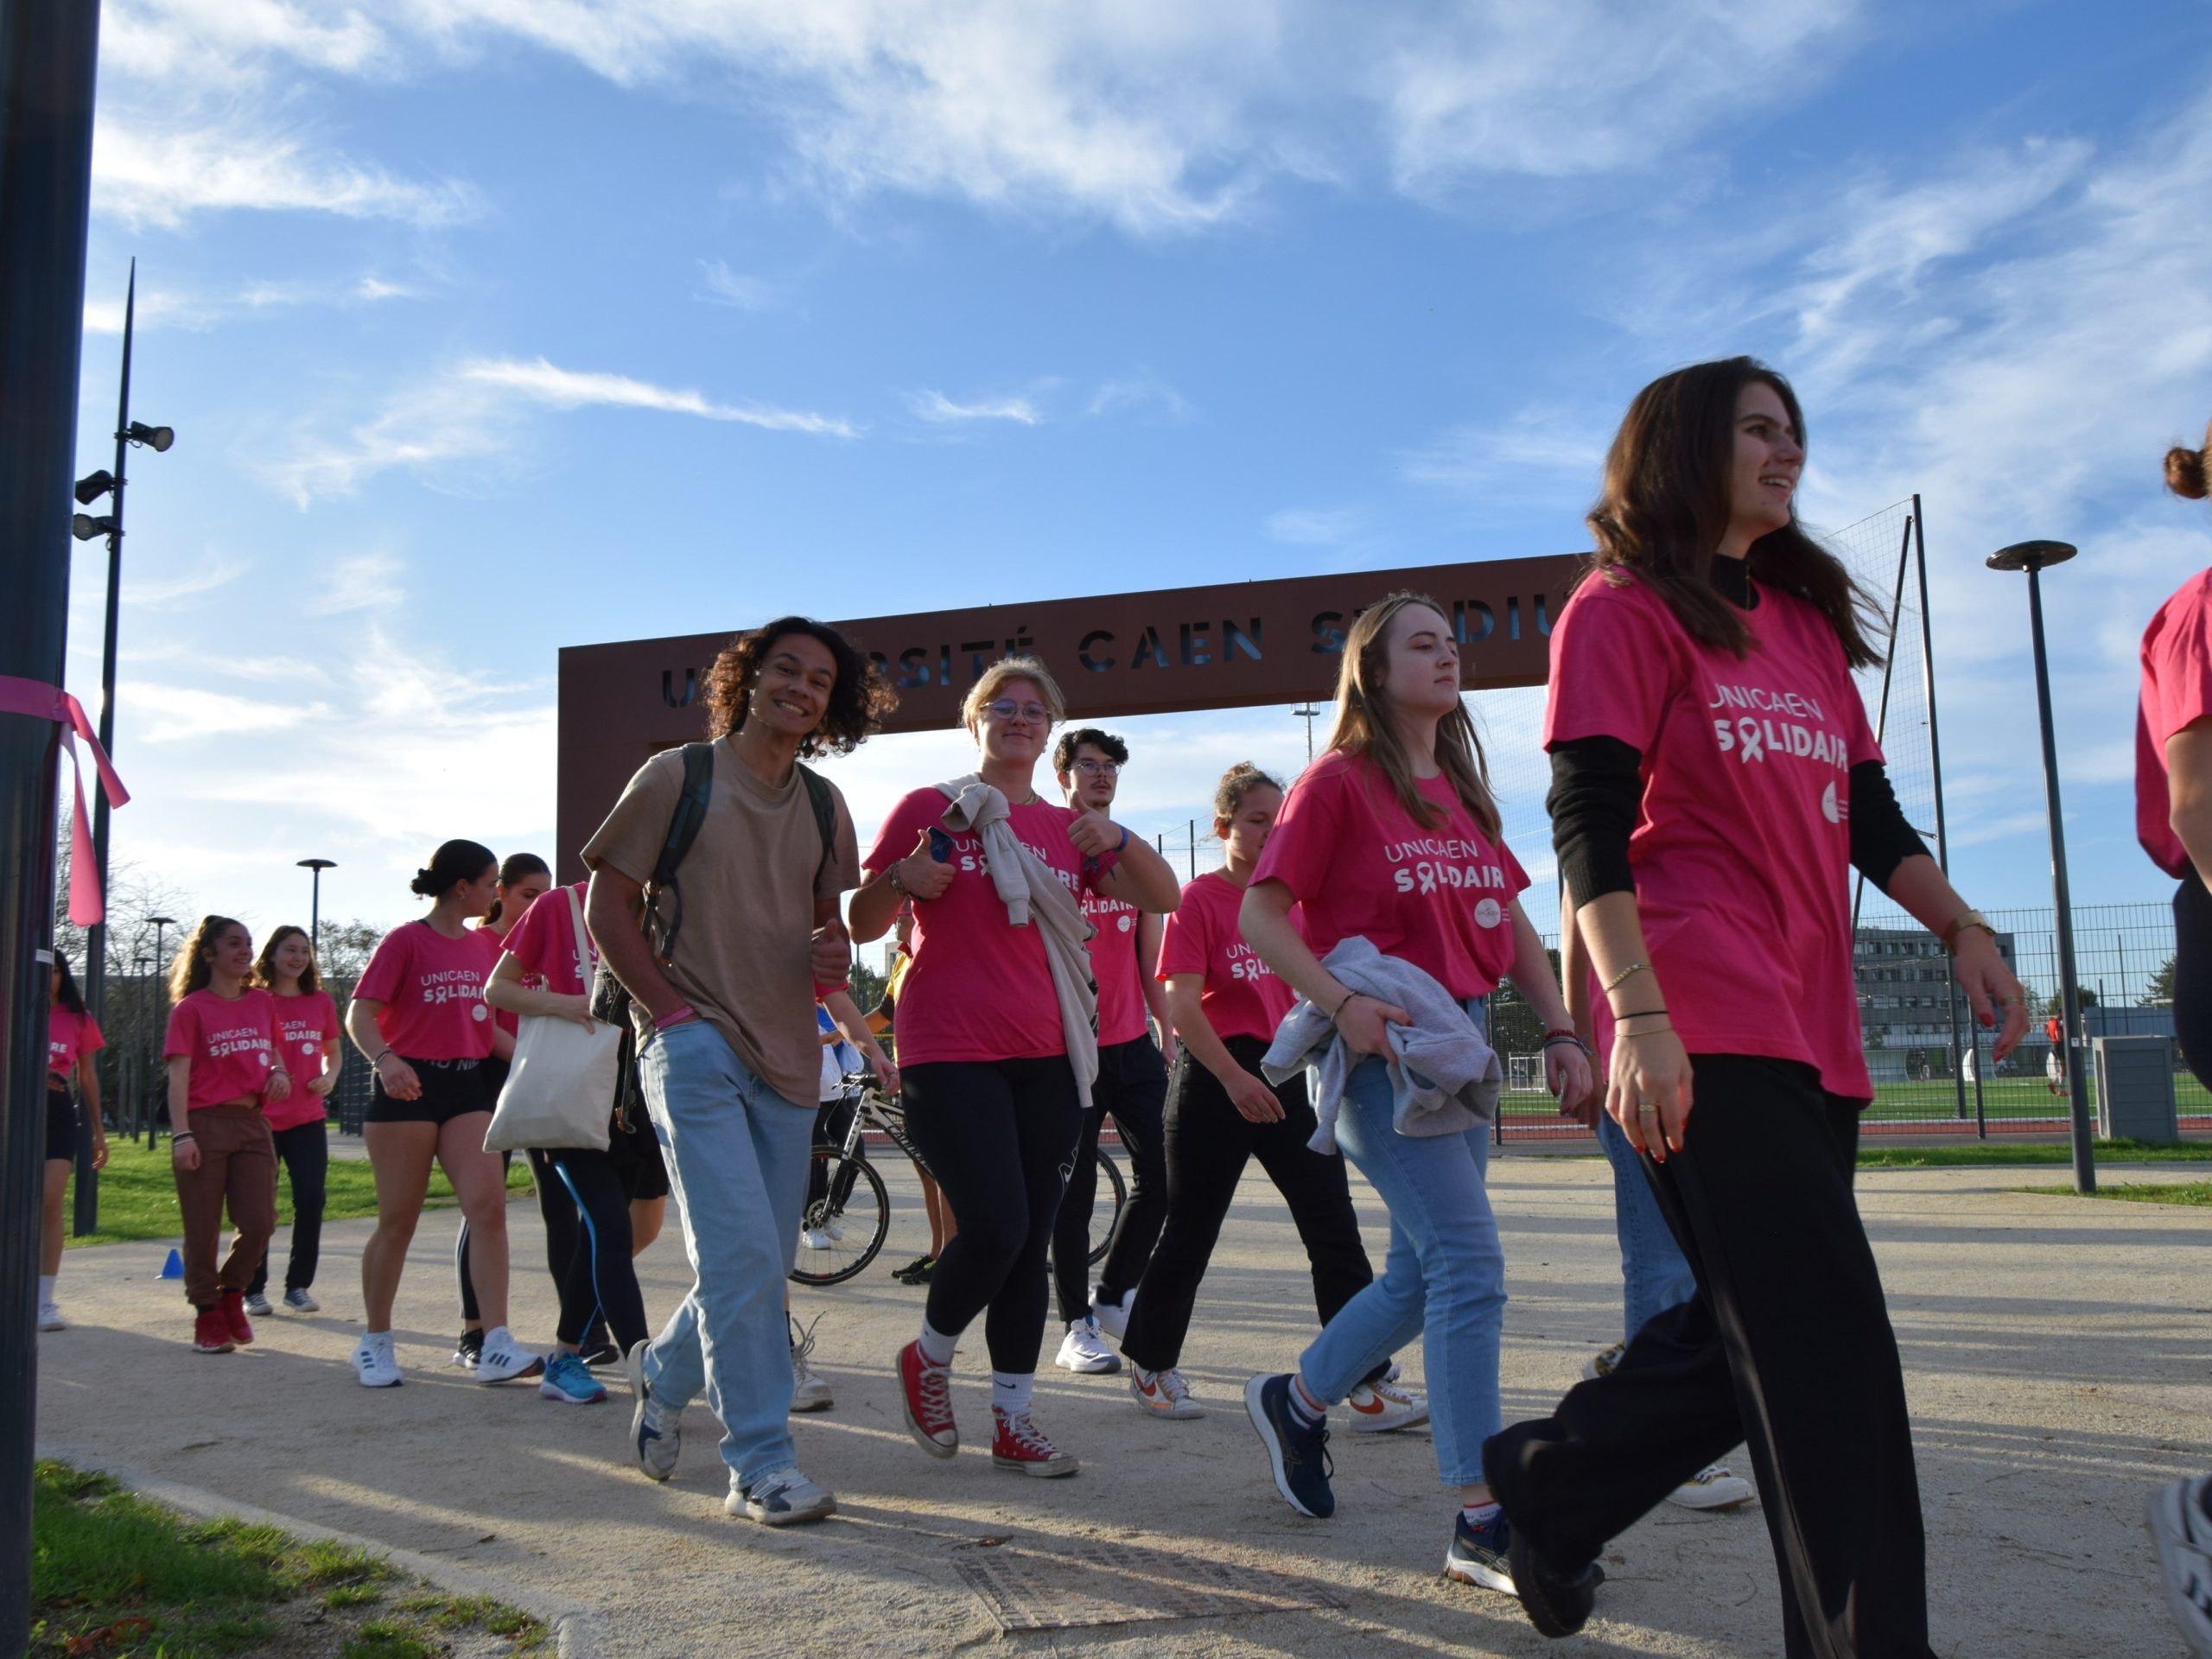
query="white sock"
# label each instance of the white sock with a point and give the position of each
(936, 1346)
(1303, 1405)
(45, 1288)
(1011, 1392)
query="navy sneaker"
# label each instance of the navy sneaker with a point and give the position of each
(1481, 1554)
(783, 1498)
(1556, 1603)
(1298, 1451)
(656, 1436)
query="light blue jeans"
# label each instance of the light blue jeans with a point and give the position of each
(1654, 1275)
(737, 1154)
(1444, 1279)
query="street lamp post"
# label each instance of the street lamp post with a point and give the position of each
(1309, 714)
(314, 904)
(162, 925)
(84, 527)
(139, 1109)
(2035, 557)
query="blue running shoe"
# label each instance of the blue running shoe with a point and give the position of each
(1298, 1451)
(1481, 1554)
(568, 1380)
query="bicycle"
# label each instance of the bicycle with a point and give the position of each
(847, 1214)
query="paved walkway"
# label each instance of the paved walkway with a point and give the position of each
(2059, 1355)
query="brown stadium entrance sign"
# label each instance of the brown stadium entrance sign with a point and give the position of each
(1179, 649)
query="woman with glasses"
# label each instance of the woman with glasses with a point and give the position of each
(997, 1036)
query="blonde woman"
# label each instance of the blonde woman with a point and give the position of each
(997, 1035)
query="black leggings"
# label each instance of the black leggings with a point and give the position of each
(2193, 975)
(305, 1150)
(1131, 1085)
(598, 1282)
(559, 1211)
(1787, 1345)
(1209, 1143)
(999, 1136)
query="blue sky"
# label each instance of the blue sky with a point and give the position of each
(490, 327)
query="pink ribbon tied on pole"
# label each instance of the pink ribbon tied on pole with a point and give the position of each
(42, 701)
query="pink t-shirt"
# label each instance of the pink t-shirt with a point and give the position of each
(1360, 866)
(2176, 689)
(1742, 852)
(432, 989)
(487, 938)
(232, 1045)
(1114, 963)
(544, 944)
(304, 1024)
(1241, 996)
(69, 1037)
(980, 989)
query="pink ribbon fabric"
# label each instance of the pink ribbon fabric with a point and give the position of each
(43, 701)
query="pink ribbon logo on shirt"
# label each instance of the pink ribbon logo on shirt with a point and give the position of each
(43, 701)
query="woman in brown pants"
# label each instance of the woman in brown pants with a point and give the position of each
(223, 1063)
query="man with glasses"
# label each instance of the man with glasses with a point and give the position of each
(1131, 1085)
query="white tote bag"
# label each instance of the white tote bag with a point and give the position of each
(560, 1088)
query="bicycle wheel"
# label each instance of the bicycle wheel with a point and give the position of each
(837, 1238)
(1106, 1206)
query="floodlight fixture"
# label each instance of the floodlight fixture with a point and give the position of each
(84, 527)
(93, 486)
(156, 438)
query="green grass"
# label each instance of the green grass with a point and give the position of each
(138, 1193)
(2196, 1193)
(2003, 1099)
(113, 1574)
(1983, 1153)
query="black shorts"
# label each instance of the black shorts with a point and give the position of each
(635, 1152)
(60, 1121)
(451, 1089)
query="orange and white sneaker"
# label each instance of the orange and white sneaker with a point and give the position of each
(1377, 1407)
(1018, 1444)
(1163, 1394)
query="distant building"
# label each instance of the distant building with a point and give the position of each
(1903, 977)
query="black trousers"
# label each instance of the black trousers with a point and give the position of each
(1132, 1086)
(1208, 1142)
(598, 1282)
(1000, 1137)
(304, 1150)
(2193, 975)
(1787, 1346)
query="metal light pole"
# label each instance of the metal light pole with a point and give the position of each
(161, 924)
(84, 527)
(47, 55)
(1309, 714)
(315, 906)
(139, 1109)
(2034, 557)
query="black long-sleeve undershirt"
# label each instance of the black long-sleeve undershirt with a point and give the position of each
(1597, 790)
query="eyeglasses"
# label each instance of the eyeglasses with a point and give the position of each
(1007, 709)
(1099, 768)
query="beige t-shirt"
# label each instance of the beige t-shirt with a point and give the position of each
(747, 891)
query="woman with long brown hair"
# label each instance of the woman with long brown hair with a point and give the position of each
(1390, 847)
(222, 1065)
(306, 1037)
(1714, 780)
(73, 1037)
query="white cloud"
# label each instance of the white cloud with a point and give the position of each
(934, 406)
(1314, 526)
(462, 420)
(542, 382)
(160, 592)
(177, 713)
(735, 289)
(1542, 453)
(226, 42)
(152, 175)
(1140, 388)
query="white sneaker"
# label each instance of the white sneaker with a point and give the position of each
(1083, 1351)
(1113, 1318)
(1163, 1394)
(49, 1318)
(815, 1239)
(299, 1301)
(809, 1392)
(257, 1304)
(1381, 1406)
(504, 1359)
(783, 1498)
(375, 1363)
(1713, 1488)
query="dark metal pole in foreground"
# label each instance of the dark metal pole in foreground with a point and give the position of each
(315, 906)
(2032, 557)
(48, 54)
(1935, 781)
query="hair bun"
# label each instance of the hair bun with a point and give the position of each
(425, 886)
(2185, 472)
